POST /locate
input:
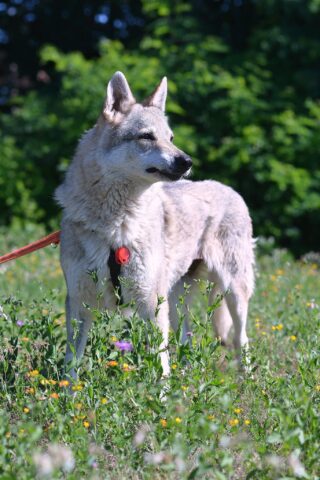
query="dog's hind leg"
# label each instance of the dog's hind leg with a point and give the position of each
(176, 307)
(221, 319)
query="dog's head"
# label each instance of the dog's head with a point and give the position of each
(135, 139)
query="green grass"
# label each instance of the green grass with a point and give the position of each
(214, 423)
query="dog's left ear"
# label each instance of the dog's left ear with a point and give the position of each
(158, 97)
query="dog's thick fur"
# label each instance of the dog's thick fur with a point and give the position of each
(123, 188)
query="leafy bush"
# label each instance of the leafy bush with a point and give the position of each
(248, 116)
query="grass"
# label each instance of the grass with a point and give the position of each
(214, 424)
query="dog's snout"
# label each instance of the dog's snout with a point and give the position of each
(182, 163)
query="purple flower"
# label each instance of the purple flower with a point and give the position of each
(20, 323)
(189, 334)
(124, 346)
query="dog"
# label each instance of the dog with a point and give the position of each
(128, 212)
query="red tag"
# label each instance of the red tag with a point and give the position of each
(122, 255)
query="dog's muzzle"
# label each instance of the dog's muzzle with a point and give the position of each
(180, 166)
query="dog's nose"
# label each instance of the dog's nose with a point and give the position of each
(182, 163)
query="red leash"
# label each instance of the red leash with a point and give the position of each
(53, 238)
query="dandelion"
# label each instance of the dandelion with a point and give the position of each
(104, 400)
(163, 422)
(86, 424)
(211, 417)
(33, 373)
(124, 346)
(114, 339)
(237, 410)
(64, 383)
(77, 388)
(233, 422)
(247, 422)
(174, 366)
(112, 363)
(52, 382)
(293, 338)
(127, 368)
(184, 388)
(44, 381)
(178, 420)
(26, 409)
(30, 390)
(54, 395)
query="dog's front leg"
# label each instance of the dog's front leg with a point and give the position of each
(159, 314)
(79, 321)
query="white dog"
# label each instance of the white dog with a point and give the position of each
(128, 213)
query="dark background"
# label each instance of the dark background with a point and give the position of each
(244, 80)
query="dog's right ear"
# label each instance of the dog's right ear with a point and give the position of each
(119, 97)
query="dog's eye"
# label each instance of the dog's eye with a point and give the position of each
(171, 138)
(146, 136)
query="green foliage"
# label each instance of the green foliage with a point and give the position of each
(248, 115)
(214, 423)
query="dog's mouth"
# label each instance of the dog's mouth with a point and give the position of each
(165, 174)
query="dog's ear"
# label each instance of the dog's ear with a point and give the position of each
(158, 97)
(119, 97)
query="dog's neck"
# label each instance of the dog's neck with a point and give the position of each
(108, 204)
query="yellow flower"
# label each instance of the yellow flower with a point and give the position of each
(77, 388)
(54, 395)
(279, 271)
(293, 338)
(86, 424)
(104, 400)
(30, 390)
(114, 339)
(247, 422)
(44, 381)
(52, 382)
(233, 422)
(174, 366)
(78, 405)
(318, 388)
(33, 373)
(237, 410)
(211, 417)
(263, 333)
(163, 422)
(184, 388)
(64, 383)
(222, 380)
(178, 420)
(25, 339)
(280, 326)
(8, 434)
(273, 328)
(26, 409)
(112, 363)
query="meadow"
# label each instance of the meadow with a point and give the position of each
(215, 423)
